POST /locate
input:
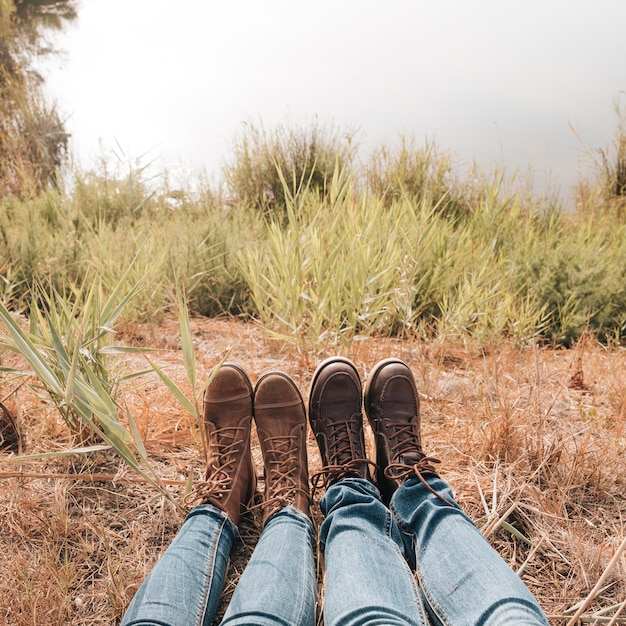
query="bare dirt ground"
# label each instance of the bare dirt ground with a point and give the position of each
(533, 442)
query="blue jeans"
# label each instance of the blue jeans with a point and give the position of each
(370, 553)
(368, 549)
(278, 586)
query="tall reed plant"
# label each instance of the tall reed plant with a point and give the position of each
(343, 265)
(337, 261)
(67, 348)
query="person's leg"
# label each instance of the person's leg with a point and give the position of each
(464, 581)
(368, 580)
(185, 584)
(278, 586)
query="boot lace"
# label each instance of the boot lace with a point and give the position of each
(341, 460)
(281, 474)
(411, 459)
(220, 471)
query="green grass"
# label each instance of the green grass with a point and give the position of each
(416, 251)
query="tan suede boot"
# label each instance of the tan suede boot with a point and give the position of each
(281, 426)
(230, 480)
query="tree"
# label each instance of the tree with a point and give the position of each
(33, 143)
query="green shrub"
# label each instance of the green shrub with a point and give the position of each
(305, 156)
(416, 173)
(203, 242)
(335, 262)
(342, 265)
(112, 199)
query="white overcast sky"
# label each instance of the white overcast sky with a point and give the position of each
(497, 81)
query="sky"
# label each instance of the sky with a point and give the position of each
(530, 85)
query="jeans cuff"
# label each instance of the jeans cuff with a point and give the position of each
(362, 485)
(215, 512)
(292, 512)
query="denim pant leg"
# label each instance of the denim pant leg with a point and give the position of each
(463, 579)
(278, 586)
(368, 580)
(184, 586)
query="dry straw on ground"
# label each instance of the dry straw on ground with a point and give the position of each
(533, 442)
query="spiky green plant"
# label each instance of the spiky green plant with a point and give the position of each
(343, 265)
(67, 347)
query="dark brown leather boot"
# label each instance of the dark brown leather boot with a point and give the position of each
(337, 421)
(230, 480)
(392, 407)
(281, 426)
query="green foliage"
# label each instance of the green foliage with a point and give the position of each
(416, 173)
(612, 166)
(204, 239)
(605, 191)
(38, 239)
(68, 343)
(113, 199)
(33, 144)
(306, 156)
(109, 224)
(359, 264)
(580, 277)
(334, 263)
(341, 266)
(67, 347)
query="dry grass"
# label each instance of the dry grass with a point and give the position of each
(533, 442)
